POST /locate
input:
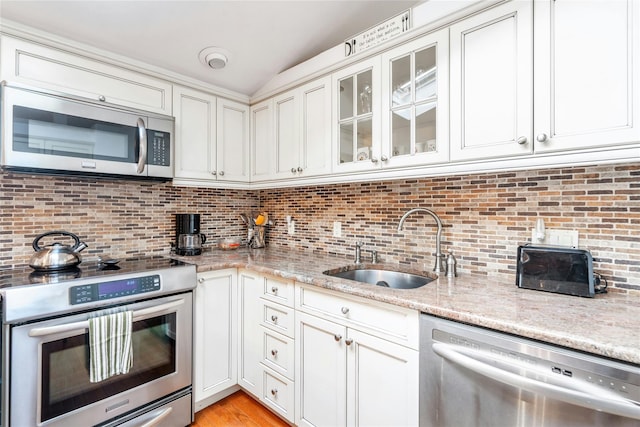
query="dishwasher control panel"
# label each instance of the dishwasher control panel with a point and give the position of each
(82, 294)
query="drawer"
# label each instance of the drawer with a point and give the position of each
(391, 322)
(278, 318)
(278, 352)
(279, 290)
(278, 394)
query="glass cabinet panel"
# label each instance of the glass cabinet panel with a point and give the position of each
(413, 103)
(355, 115)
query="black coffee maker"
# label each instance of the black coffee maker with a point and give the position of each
(189, 241)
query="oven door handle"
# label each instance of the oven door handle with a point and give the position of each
(589, 397)
(137, 315)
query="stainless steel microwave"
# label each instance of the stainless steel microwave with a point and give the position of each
(52, 133)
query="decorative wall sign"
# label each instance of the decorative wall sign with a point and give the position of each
(378, 34)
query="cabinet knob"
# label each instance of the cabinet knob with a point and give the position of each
(522, 140)
(542, 137)
(101, 98)
(214, 173)
(348, 341)
(201, 280)
(274, 318)
(374, 160)
(274, 352)
(384, 158)
(300, 169)
(293, 170)
(337, 337)
(274, 392)
(221, 173)
(344, 310)
(274, 290)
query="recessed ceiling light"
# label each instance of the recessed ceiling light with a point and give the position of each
(214, 57)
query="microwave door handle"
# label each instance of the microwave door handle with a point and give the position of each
(142, 150)
(587, 397)
(137, 315)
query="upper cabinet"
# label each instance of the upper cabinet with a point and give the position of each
(492, 83)
(356, 117)
(415, 102)
(291, 135)
(587, 74)
(211, 138)
(53, 69)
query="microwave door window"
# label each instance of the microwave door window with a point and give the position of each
(38, 131)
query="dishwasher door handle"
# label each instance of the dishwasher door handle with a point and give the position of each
(598, 399)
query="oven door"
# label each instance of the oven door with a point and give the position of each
(49, 373)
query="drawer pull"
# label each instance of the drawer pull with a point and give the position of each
(274, 352)
(344, 310)
(274, 289)
(337, 337)
(274, 391)
(348, 341)
(274, 318)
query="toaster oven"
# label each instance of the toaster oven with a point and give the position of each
(556, 269)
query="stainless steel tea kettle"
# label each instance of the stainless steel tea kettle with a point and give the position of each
(56, 256)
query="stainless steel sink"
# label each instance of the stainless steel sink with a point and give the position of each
(381, 277)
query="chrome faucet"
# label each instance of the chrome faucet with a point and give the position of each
(439, 267)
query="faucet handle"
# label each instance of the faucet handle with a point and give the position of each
(359, 244)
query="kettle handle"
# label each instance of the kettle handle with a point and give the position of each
(50, 233)
(203, 238)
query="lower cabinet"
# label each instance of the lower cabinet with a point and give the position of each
(215, 335)
(345, 376)
(313, 356)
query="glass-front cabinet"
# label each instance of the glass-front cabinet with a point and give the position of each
(415, 79)
(357, 117)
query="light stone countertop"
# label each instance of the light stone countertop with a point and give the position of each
(607, 325)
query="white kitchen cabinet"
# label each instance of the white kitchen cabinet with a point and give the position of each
(53, 69)
(351, 368)
(211, 138)
(297, 141)
(215, 334)
(250, 287)
(491, 56)
(587, 74)
(356, 117)
(415, 102)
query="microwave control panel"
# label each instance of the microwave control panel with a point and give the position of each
(158, 148)
(114, 289)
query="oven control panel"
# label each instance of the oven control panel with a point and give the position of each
(114, 289)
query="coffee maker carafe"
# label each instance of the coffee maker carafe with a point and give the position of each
(189, 240)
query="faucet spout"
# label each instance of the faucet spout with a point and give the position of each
(439, 264)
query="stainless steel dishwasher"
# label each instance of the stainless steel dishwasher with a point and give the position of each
(470, 376)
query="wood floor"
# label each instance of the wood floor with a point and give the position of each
(240, 410)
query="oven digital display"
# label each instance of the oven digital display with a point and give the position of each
(114, 289)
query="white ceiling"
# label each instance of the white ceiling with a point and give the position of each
(263, 37)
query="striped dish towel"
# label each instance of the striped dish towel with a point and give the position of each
(110, 347)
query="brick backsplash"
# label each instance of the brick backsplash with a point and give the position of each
(486, 216)
(116, 218)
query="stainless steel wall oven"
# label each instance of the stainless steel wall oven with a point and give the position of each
(46, 350)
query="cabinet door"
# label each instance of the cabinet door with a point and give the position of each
(382, 382)
(315, 152)
(320, 373)
(356, 117)
(492, 83)
(263, 152)
(287, 135)
(232, 144)
(250, 334)
(587, 73)
(415, 129)
(215, 333)
(195, 133)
